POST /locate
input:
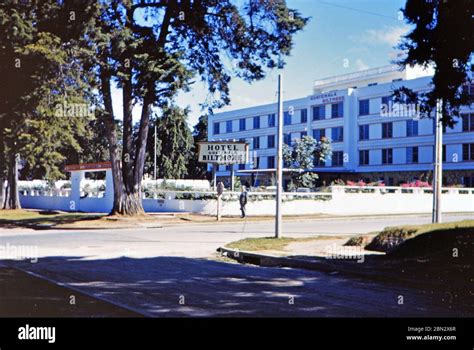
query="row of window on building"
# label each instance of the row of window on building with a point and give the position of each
(412, 127)
(364, 104)
(271, 122)
(412, 154)
(386, 157)
(337, 133)
(318, 114)
(337, 112)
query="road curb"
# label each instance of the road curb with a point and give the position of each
(329, 267)
(320, 264)
(264, 260)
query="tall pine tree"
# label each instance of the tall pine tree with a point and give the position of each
(174, 143)
(197, 170)
(153, 50)
(41, 89)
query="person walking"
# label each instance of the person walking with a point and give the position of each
(243, 200)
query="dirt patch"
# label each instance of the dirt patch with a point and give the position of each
(360, 240)
(391, 238)
(323, 247)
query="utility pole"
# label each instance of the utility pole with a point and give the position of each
(279, 168)
(438, 171)
(154, 172)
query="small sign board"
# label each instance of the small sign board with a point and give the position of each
(223, 152)
(89, 166)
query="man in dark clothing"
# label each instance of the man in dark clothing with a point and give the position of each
(243, 200)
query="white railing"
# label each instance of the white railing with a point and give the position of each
(228, 195)
(399, 189)
(47, 193)
(175, 194)
(355, 76)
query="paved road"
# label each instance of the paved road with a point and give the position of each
(167, 271)
(189, 240)
(177, 286)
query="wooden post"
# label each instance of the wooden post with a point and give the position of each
(232, 177)
(220, 190)
(214, 177)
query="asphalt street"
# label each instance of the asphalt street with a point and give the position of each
(172, 271)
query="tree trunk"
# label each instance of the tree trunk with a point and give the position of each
(12, 198)
(132, 203)
(128, 179)
(118, 207)
(127, 154)
(127, 188)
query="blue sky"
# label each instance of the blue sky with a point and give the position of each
(342, 36)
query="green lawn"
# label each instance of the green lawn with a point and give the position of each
(25, 218)
(392, 237)
(271, 243)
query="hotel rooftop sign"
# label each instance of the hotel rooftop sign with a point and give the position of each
(223, 152)
(328, 97)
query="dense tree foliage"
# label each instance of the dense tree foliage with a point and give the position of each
(154, 49)
(443, 37)
(302, 157)
(174, 144)
(198, 170)
(45, 103)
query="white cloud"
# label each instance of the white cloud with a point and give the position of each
(388, 35)
(361, 65)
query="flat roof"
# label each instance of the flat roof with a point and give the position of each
(355, 76)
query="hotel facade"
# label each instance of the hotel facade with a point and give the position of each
(370, 141)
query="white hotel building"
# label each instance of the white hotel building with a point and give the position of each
(366, 144)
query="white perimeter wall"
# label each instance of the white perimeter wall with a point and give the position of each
(339, 203)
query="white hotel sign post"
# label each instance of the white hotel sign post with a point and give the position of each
(223, 153)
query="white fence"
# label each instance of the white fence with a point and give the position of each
(349, 200)
(342, 200)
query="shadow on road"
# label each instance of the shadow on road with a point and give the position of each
(178, 286)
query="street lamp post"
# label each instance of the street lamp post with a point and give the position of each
(279, 168)
(154, 170)
(438, 171)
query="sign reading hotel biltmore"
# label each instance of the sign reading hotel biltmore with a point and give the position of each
(223, 152)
